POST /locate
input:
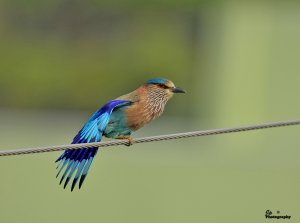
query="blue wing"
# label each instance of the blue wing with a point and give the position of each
(82, 159)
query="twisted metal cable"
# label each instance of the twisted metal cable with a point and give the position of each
(149, 139)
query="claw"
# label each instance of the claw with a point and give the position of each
(129, 138)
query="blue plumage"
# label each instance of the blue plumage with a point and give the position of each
(117, 119)
(92, 131)
(157, 81)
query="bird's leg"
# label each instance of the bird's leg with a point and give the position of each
(129, 138)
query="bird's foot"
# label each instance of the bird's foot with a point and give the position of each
(129, 138)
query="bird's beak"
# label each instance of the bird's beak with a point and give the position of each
(178, 90)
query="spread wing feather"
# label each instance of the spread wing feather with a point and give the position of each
(80, 160)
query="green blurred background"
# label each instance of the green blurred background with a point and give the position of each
(240, 64)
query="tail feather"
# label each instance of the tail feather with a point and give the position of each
(64, 163)
(87, 167)
(79, 170)
(82, 159)
(71, 164)
(76, 164)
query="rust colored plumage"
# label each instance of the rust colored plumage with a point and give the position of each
(149, 103)
(116, 119)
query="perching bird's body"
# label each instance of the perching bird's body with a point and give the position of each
(116, 119)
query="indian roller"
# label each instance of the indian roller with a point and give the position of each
(117, 119)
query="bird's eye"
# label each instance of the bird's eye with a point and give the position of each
(163, 86)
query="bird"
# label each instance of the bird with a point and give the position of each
(117, 119)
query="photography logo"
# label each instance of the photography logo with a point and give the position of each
(270, 215)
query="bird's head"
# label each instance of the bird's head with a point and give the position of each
(164, 86)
